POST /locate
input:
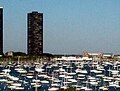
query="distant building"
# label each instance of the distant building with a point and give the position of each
(108, 55)
(35, 33)
(1, 30)
(9, 54)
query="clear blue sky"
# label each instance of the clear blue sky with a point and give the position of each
(70, 26)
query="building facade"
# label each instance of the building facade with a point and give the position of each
(35, 33)
(1, 30)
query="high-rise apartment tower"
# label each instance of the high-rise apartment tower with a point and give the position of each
(1, 30)
(35, 33)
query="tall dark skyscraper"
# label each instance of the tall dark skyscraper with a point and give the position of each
(35, 33)
(1, 30)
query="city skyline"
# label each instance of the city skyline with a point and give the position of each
(69, 26)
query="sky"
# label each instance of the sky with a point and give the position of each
(70, 26)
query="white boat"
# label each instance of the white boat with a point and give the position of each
(19, 88)
(80, 78)
(44, 82)
(6, 70)
(13, 78)
(114, 72)
(16, 84)
(78, 88)
(42, 75)
(96, 71)
(78, 70)
(55, 85)
(36, 85)
(9, 82)
(72, 80)
(103, 88)
(91, 78)
(71, 73)
(86, 89)
(53, 89)
(39, 69)
(16, 88)
(81, 75)
(114, 84)
(3, 80)
(64, 87)
(94, 83)
(61, 69)
(36, 80)
(2, 75)
(56, 80)
(29, 76)
(33, 83)
(21, 71)
(68, 77)
(67, 82)
(83, 71)
(107, 80)
(11, 87)
(99, 75)
(61, 75)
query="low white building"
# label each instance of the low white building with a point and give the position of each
(70, 58)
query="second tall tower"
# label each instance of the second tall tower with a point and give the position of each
(35, 33)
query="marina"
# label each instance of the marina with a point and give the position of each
(82, 74)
